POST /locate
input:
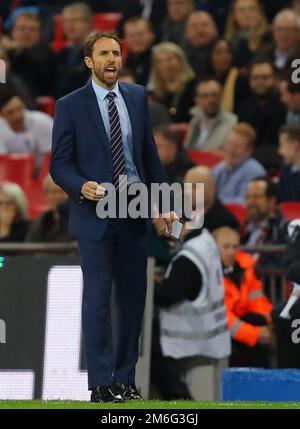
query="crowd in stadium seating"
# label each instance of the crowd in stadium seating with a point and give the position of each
(223, 105)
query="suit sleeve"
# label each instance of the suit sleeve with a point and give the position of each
(154, 168)
(62, 165)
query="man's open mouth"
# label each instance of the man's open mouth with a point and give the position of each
(111, 70)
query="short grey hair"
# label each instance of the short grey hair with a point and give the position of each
(14, 191)
(287, 12)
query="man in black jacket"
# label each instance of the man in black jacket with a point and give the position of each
(71, 71)
(289, 149)
(139, 36)
(264, 111)
(153, 10)
(30, 58)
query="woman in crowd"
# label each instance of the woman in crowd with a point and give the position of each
(246, 27)
(172, 81)
(221, 67)
(14, 223)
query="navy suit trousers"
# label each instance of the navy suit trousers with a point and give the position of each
(120, 256)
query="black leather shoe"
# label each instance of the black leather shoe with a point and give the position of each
(106, 393)
(129, 392)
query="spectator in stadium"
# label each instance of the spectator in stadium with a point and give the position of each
(173, 26)
(285, 47)
(248, 308)
(52, 226)
(71, 72)
(186, 327)
(282, 84)
(173, 157)
(14, 223)
(290, 95)
(176, 163)
(265, 223)
(154, 10)
(172, 81)
(158, 113)
(238, 168)
(296, 6)
(22, 130)
(216, 214)
(211, 124)
(264, 110)
(221, 67)
(139, 36)
(246, 27)
(219, 10)
(16, 83)
(30, 58)
(289, 149)
(200, 33)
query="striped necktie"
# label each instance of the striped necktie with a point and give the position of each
(117, 151)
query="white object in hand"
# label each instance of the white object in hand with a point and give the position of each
(285, 313)
(176, 229)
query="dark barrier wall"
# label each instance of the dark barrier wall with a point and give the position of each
(23, 301)
(40, 305)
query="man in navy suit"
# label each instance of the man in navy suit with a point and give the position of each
(101, 134)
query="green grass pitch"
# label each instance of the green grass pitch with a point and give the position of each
(145, 405)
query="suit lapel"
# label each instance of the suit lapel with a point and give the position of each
(95, 114)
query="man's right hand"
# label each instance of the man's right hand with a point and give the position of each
(265, 335)
(92, 191)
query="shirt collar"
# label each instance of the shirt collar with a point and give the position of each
(101, 92)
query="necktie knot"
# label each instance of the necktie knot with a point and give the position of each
(111, 96)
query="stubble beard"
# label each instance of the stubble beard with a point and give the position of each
(110, 83)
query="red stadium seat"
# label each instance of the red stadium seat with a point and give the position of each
(206, 158)
(4, 167)
(180, 129)
(239, 211)
(290, 210)
(46, 105)
(106, 21)
(36, 199)
(18, 168)
(59, 42)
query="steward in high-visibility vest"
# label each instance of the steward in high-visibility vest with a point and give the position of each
(248, 309)
(195, 326)
(245, 295)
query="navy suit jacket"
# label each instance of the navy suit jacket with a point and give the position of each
(81, 151)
